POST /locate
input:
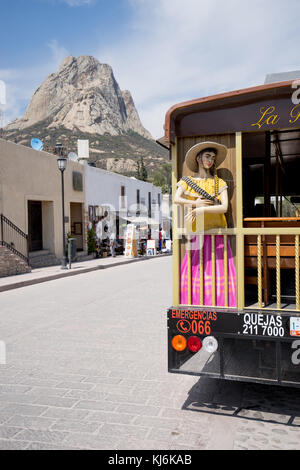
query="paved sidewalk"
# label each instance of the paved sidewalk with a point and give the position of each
(86, 368)
(39, 275)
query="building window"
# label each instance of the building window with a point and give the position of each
(138, 208)
(149, 204)
(91, 213)
(158, 199)
(122, 202)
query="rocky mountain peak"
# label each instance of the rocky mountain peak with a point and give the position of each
(83, 94)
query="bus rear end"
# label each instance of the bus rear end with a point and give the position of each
(256, 338)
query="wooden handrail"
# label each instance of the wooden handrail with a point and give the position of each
(272, 219)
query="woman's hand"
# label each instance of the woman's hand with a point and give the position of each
(192, 214)
(202, 202)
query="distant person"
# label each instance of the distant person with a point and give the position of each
(113, 244)
(159, 239)
(163, 234)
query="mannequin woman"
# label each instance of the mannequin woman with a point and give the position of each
(207, 196)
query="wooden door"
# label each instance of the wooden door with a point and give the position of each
(35, 226)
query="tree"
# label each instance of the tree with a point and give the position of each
(167, 171)
(141, 173)
(158, 178)
(163, 178)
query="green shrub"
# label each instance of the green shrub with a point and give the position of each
(92, 247)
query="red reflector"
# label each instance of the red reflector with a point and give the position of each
(194, 344)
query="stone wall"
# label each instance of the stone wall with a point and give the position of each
(11, 264)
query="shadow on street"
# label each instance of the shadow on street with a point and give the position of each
(266, 403)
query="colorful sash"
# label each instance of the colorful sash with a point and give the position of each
(199, 190)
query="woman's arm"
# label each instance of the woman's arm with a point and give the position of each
(216, 209)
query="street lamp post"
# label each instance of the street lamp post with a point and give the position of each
(62, 163)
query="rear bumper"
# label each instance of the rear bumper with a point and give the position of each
(253, 346)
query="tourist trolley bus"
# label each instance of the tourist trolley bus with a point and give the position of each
(254, 258)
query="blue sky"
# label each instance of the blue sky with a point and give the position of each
(163, 51)
(28, 26)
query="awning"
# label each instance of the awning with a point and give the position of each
(163, 142)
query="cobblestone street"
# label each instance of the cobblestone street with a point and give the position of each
(87, 369)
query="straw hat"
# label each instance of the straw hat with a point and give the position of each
(190, 158)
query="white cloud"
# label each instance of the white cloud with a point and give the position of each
(182, 49)
(58, 52)
(179, 50)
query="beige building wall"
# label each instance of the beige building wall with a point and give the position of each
(48, 226)
(27, 174)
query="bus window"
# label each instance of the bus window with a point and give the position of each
(271, 201)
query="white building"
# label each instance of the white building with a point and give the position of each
(166, 210)
(124, 198)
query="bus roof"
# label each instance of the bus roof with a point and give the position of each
(233, 99)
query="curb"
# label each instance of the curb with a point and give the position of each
(52, 277)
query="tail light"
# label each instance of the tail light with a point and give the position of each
(211, 344)
(194, 344)
(179, 343)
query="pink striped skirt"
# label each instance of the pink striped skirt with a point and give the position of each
(207, 273)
